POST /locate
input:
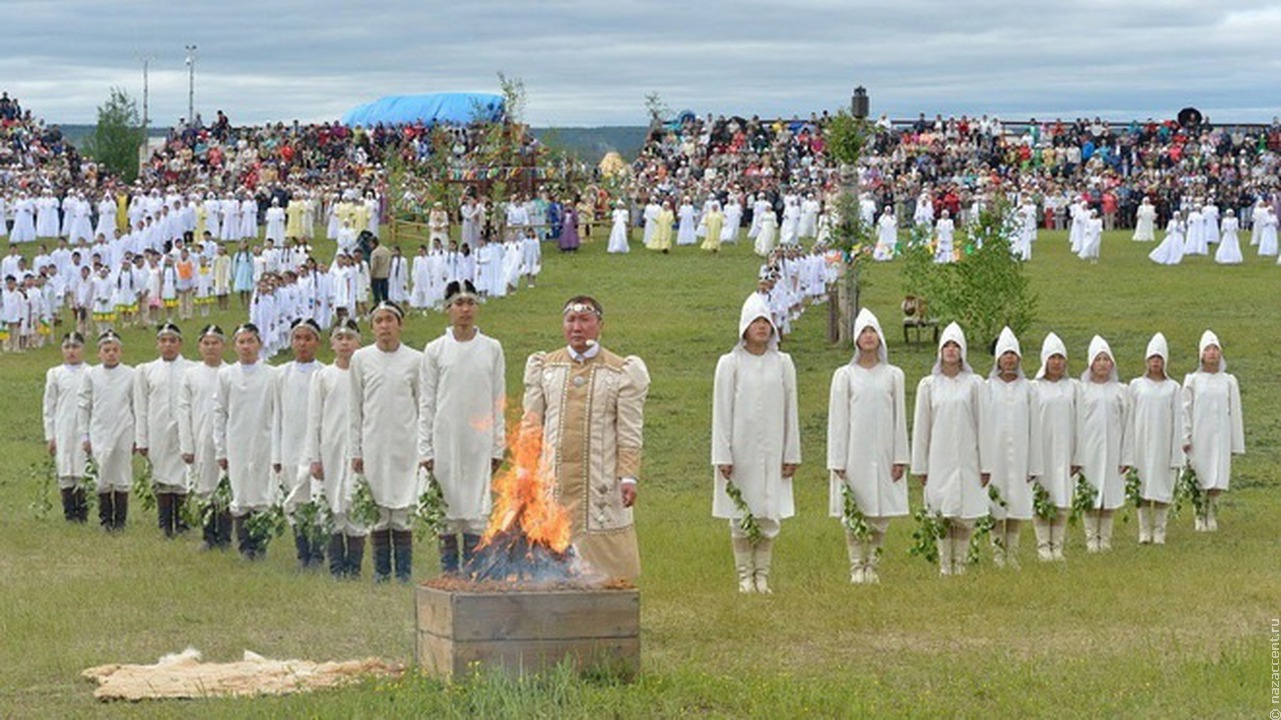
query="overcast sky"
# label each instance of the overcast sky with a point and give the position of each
(592, 63)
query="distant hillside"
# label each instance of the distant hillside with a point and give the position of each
(588, 143)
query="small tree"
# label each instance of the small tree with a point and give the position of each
(656, 109)
(118, 136)
(985, 289)
(846, 136)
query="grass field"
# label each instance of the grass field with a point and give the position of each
(1178, 631)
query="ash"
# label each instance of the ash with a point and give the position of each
(509, 557)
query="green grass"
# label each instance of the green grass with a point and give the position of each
(1179, 631)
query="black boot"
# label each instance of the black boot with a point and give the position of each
(68, 504)
(223, 531)
(355, 555)
(180, 525)
(449, 554)
(209, 532)
(120, 510)
(382, 555)
(337, 556)
(469, 547)
(164, 513)
(81, 505)
(244, 543)
(317, 559)
(303, 544)
(104, 511)
(403, 541)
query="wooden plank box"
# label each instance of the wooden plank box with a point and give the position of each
(527, 632)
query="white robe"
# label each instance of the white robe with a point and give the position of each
(867, 437)
(618, 233)
(384, 422)
(327, 429)
(1156, 436)
(1007, 445)
(945, 444)
(1054, 437)
(289, 423)
(196, 400)
(1145, 224)
(243, 413)
(156, 387)
(1213, 425)
(755, 429)
(1102, 431)
(61, 407)
(461, 426)
(106, 418)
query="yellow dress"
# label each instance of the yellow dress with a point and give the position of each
(714, 222)
(662, 239)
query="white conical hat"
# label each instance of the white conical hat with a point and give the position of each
(1098, 346)
(952, 333)
(1051, 346)
(754, 307)
(865, 320)
(1007, 342)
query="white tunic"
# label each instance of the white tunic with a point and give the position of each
(289, 423)
(327, 429)
(1054, 437)
(1213, 425)
(384, 422)
(867, 437)
(243, 415)
(755, 429)
(1156, 436)
(106, 419)
(461, 427)
(196, 400)
(1102, 428)
(1007, 443)
(61, 406)
(945, 444)
(156, 387)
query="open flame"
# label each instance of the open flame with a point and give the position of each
(529, 533)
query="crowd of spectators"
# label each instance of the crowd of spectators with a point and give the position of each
(956, 163)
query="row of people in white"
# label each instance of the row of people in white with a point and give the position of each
(968, 434)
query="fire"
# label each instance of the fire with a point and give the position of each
(526, 498)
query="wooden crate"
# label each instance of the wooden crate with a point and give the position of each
(527, 632)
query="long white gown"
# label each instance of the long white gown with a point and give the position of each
(945, 438)
(867, 433)
(1214, 427)
(755, 425)
(1229, 250)
(1145, 223)
(618, 233)
(1267, 233)
(327, 429)
(106, 418)
(1156, 432)
(60, 410)
(196, 401)
(1170, 251)
(156, 389)
(243, 412)
(461, 427)
(384, 422)
(1102, 428)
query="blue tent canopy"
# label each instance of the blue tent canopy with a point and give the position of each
(453, 108)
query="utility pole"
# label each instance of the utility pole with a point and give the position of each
(146, 89)
(191, 85)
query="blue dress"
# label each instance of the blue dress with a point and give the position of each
(242, 272)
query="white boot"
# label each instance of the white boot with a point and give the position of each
(1090, 519)
(1105, 531)
(762, 556)
(998, 545)
(1211, 506)
(743, 564)
(944, 545)
(1044, 548)
(1058, 535)
(1145, 524)
(1160, 513)
(961, 537)
(1012, 544)
(858, 554)
(873, 558)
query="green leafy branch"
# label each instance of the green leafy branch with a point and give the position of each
(747, 522)
(45, 473)
(364, 511)
(429, 517)
(930, 528)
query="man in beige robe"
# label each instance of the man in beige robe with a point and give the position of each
(590, 404)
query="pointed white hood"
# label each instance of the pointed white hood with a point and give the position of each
(1007, 342)
(755, 306)
(866, 320)
(1052, 346)
(951, 333)
(1208, 338)
(1158, 346)
(1099, 346)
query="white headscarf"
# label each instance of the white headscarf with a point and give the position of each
(1208, 338)
(866, 320)
(1007, 342)
(754, 307)
(1099, 346)
(951, 333)
(1049, 348)
(1158, 346)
